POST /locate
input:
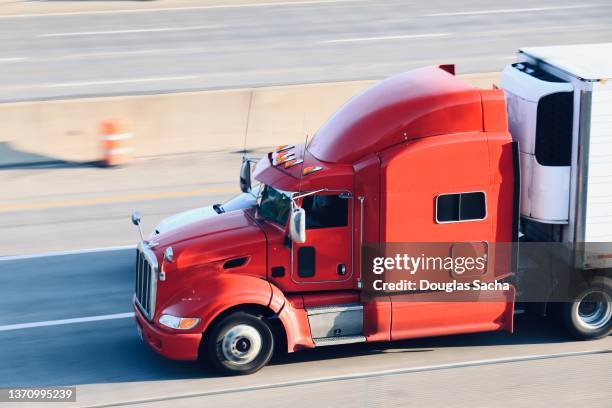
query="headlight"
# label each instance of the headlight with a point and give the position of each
(179, 323)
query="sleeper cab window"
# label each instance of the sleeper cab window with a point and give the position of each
(459, 207)
(325, 211)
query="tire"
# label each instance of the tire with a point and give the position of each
(240, 343)
(590, 315)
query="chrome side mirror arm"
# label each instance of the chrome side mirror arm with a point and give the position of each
(136, 222)
(297, 196)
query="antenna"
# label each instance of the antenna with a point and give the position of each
(302, 167)
(246, 128)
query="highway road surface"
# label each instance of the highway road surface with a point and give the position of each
(66, 318)
(100, 352)
(73, 207)
(106, 52)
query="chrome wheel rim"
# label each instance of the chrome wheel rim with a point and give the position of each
(594, 310)
(241, 344)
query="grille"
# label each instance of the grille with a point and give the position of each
(145, 284)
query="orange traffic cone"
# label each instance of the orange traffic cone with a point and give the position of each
(115, 141)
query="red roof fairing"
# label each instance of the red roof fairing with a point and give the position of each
(420, 103)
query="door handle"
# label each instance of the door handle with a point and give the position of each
(341, 269)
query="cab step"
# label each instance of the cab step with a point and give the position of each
(336, 322)
(332, 341)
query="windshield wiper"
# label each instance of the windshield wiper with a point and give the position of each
(218, 208)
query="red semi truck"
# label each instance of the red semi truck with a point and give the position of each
(419, 157)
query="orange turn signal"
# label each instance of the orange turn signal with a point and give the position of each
(282, 148)
(187, 323)
(311, 169)
(292, 162)
(179, 323)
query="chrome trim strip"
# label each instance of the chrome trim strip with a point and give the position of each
(360, 278)
(349, 307)
(333, 341)
(151, 286)
(584, 135)
(285, 148)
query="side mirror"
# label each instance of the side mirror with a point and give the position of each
(136, 218)
(297, 225)
(136, 222)
(245, 176)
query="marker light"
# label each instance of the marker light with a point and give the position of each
(283, 148)
(179, 323)
(292, 163)
(311, 169)
(283, 158)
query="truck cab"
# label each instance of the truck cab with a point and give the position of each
(421, 157)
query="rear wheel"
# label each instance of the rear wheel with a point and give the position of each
(240, 343)
(590, 315)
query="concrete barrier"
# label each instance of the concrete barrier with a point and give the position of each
(178, 122)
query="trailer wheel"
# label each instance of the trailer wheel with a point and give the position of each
(240, 343)
(590, 315)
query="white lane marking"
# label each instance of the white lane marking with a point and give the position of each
(543, 29)
(385, 38)
(140, 30)
(395, 65)
(189, 50)
(211, 7)
(66, 321)
(62, 253)
(112, 54)
(14, 59)
(516, 10)
(120, 81)
(370, 374)
(473, 33)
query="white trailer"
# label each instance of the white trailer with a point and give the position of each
(559, 102)
(560, 111)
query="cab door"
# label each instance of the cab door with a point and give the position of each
(325, 259)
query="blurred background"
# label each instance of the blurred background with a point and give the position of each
(111, 106)
(185, 83)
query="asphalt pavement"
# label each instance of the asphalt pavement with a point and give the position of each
(90, 53)
(65, 206)
(66, 318)
(102, 355)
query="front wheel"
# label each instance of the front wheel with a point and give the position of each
(590, 315)
(240, 343)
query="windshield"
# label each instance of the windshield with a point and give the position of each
(274, 205)
(240, 202)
